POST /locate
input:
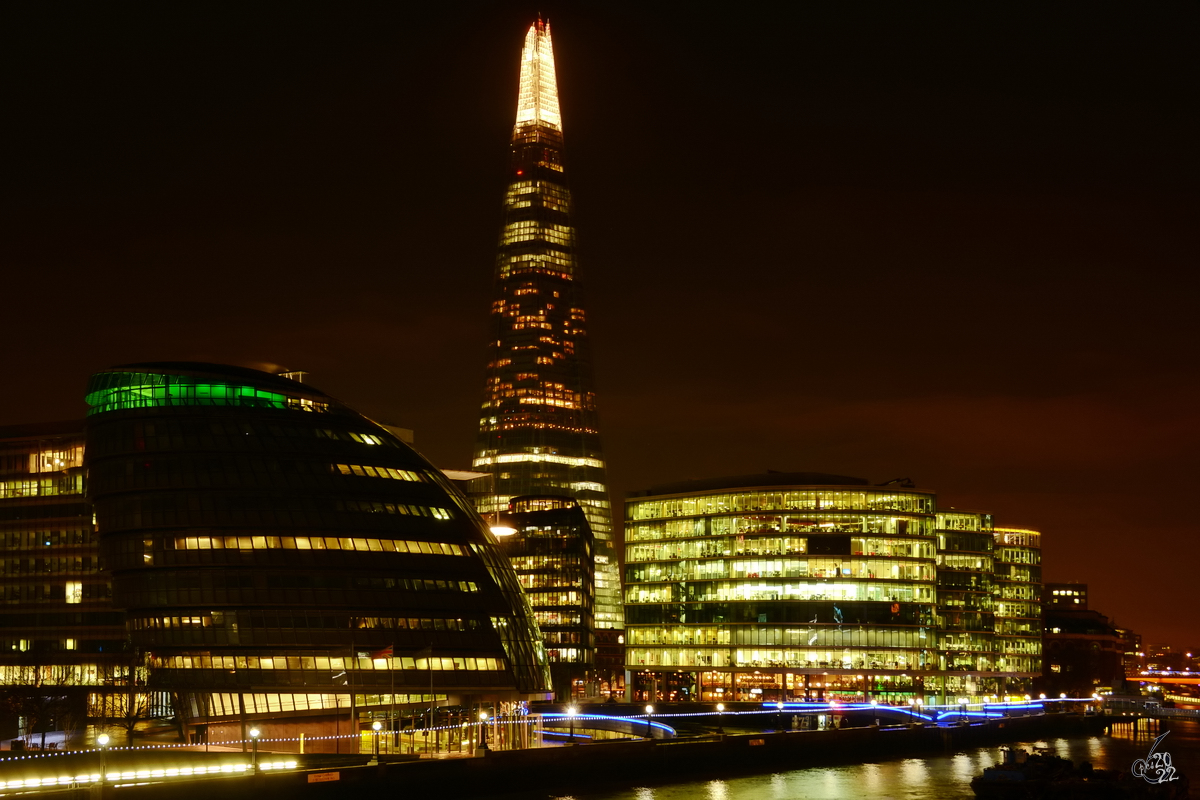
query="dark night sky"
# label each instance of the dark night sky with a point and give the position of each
(951, 242)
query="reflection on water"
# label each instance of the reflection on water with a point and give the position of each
(929, 778)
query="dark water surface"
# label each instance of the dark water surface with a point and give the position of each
(927, 778)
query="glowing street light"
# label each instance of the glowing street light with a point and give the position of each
(375, 726)
(483, 715)
(720, 718)
(102, 740)
(649, 713)
(254, 734)
(779, 716)
(874, 711)
(962, 705)
(571, 712)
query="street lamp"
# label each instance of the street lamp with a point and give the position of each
(483, 715)
(102, 740)
(962, 707)
(779, 716)
(720, 718)
(874, 711)
(375, 726)
(254, 734)
(649, 713)
(571, 712)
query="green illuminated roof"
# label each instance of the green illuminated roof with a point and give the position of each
(144, 386)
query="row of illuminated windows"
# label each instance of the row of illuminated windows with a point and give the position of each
(557, 618)
(26, 539)
(1020, 644)
(530, 230)
(733, 502)
(380, 472)
(323, 663)
(781, 636)
(548, 261)
(66, 674)
(42, 487)
(718, 548)
(557, 580)
(314, 543)
(802, 658)
(70, 592)
(762, 524)
(222, 704)
(734, 592)
(963, 601)
(964, 522)
(1018, 555)
(1017, 537)
(374, 507)
(42, 460)
(1018, 627)
(34, 566)
(865, 569)
(1018, 573)
(1010, 608)
(554, 598)
(983, 642)
(965, 562)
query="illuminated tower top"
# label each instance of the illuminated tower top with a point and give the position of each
(538, 100)
(538, 425)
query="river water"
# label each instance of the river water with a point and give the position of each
(931, 777)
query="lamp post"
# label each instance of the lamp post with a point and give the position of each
(649, 713)
(874, 711)
(779, 716)
(375, 726)
(102, 740)
(571, 712)
(962, 707)
(720, 718)
(254, 734)
(483, 715)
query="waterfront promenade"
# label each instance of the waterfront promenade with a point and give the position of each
(182, 773)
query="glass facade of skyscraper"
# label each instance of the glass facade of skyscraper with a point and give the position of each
(538, 428)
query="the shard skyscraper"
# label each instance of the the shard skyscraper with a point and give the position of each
(538, 430)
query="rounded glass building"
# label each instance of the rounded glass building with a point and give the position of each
(780, 586)
(280, 555)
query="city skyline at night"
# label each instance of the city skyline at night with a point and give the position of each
(950, 245)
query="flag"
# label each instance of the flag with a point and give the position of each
(384, 653)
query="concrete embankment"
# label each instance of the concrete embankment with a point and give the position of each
(569, 769)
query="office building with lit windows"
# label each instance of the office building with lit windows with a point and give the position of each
(279, 555)
(1018, 603)
(781, 586)
(549, 543)
(791, 586)
(539, 428)
(62, 644)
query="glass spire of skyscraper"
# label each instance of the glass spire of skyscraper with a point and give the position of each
(538, 430)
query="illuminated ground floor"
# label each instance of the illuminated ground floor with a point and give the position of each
(851, 686)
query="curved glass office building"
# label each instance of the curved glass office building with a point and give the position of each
(278, 553)
(780, 586)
